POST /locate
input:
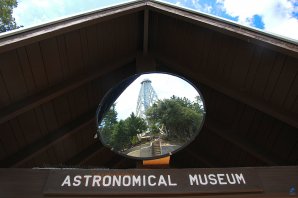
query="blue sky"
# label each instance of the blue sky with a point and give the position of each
(274, 16)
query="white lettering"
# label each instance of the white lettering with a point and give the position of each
(128, 180)
(228, 177)
(212, 179)
(116, 180)
(203, 182)
(170, 182)
(107, 180)
(96, 179)
(240, 178)
(66, 181)
(150, 182)
(77, 180)
(144, 180)
(136, 180)
(87, 177)
(221, 179)
(193, 179)
(162, 181)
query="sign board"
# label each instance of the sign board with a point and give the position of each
(142, 182)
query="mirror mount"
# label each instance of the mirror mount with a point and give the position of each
(159, 163)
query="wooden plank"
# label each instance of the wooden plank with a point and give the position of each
(146, 30)
(93, 49)
(246, 146)
(253, 66)
(30, 129)
(33, 101)
(62, 109)
(99, 158)
(84, 154)
(18, 132)
(286, 79)
(263, 131)
(26, 69)
(52, 157)
(8, 140)
(284, 144)
(46, 31)
(78, 101)
(74, 52)
(41, 120)
(22, 156)
(12, 75)
(253, 128)
(37, 66)
(50, 54)
(4, 95)
(263, 73)
(85, 51)
(293, 90)
(277, 67)
(49, 115)
(243, 53)
(63, 56)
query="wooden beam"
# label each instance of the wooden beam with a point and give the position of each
(146, 27)
(249, 147)
(44, 96)
(39, 146)
(84, 155)
(99, 158)
(228, 90)
(203, 159)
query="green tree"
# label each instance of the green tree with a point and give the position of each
(135, 125)
(7, 22)
(125, 132)
(107, 124)
(178, 117)
(120, 137)
(122, 134)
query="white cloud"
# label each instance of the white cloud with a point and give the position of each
(277, 15)
(34, 12)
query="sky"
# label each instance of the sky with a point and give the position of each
(34, 12)
(165, 86)
(278, 17)
(273, 16)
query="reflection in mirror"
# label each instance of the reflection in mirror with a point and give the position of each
(156, 115)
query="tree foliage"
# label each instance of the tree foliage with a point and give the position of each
(122, 134)
(175, 119)
(7, 22)
(178, 118)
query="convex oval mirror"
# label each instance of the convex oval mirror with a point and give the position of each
(149, 116)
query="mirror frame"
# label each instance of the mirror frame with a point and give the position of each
(113, 94)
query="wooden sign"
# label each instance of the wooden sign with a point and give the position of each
(167, 181)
